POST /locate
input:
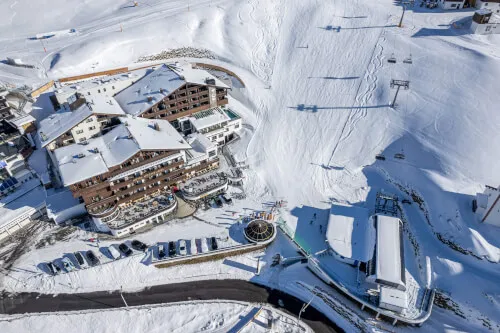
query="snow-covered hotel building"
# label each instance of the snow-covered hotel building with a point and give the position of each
(172, 92)
(139, 159)
(119, 142)
(486, 205)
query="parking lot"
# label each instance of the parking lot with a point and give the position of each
(160, 251)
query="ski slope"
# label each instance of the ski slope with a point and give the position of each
(316, 104)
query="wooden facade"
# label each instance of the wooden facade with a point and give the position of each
(188, 99)
(103, 193)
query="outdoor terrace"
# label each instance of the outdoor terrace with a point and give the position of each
(207, 184)
(142, 210)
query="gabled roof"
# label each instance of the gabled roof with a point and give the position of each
(160, 83)
(154, 134)
(78, 162)
(59, 123)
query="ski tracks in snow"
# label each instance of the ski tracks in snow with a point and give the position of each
(14, 12)
(264, 52)
(370, 80)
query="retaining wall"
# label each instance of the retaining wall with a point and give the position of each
(209, 256)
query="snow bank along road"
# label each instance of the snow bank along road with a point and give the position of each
(200, 290)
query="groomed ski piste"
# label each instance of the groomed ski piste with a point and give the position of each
(316, 105)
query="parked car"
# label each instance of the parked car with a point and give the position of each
(80, 260)
(92, 258)
(193, 249)
(161, 251)
(138, 245)
(227, 199)
(125, 249)
(205, 244)
(67, 264)
(115, 254)
(182, 247)
(171, 249)
(53, 269)
(213, 243)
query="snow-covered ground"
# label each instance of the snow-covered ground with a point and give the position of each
(316, 109)
(29, 272)
(213, 316)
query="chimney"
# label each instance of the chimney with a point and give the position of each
(150, 99)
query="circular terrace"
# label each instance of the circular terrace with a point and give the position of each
(260, 231)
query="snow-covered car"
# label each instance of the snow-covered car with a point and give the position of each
(182, 247)
(115, 254)
(226, 198)
(204, 245)
(80, 260)
(68, 264)
(193, 249)
(92, 258)
(53, 269)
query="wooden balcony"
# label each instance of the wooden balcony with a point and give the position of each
(141, 163)
(109, 200)
(117, 186)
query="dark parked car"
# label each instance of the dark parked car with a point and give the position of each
(161, 251)
(138, 245)
(218, 202)
(213, 243)
(53, 269)
(171, 249)
(92, 258)
(125, 249)
(80, 260)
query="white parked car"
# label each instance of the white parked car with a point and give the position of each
(114, 252)
(204, 245)
(68, 264)
(182, 247)
(194, 250)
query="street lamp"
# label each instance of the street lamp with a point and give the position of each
(305, 306)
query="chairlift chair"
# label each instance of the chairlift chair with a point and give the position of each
(392, 59)
(408, 60)
(399, 156)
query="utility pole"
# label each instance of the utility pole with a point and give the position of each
(404, 3)
(399, 84)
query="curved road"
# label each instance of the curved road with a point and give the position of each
(200, 290)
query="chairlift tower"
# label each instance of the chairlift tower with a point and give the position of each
(405, 3)
(398, 84)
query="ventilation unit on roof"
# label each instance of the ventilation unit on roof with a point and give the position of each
(210, 81)
(154, 126)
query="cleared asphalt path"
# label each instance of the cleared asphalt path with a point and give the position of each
(237, 290)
